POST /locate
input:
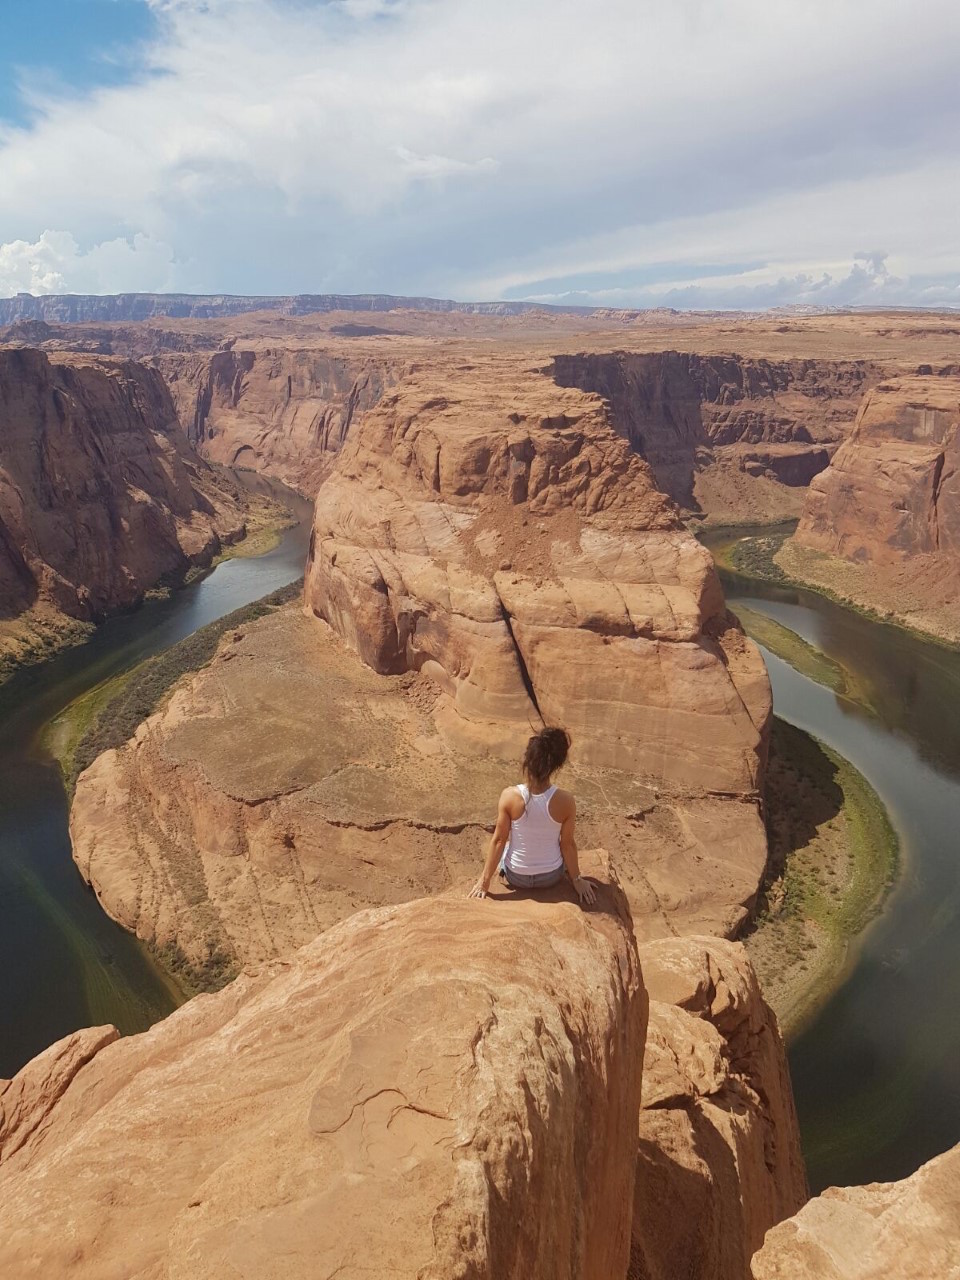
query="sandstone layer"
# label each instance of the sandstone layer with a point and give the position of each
(101, 495)
(492, 531)
(285, 412)
(735, 413)
(882, 523)
(728, 436)
(907, 1230)
(288, 784)
(719, 1159)
(444, 1089)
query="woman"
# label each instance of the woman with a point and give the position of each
(533, 842)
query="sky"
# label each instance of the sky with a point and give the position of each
(622, 153)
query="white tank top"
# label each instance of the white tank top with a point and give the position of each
(534, 844)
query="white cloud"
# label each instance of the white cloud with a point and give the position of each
(473, 147)
(55, 263)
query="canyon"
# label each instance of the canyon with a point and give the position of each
(500, 539)
(101, 495)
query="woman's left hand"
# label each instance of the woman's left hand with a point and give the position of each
(479, 890)
(586, 891)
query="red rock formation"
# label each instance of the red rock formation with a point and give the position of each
(493, 532)
(282, 411)
(907, 1230)
(886, 512)
(719, 1160)
(100, 493)
(690, 414)
(443, 1089)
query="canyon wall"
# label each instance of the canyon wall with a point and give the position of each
(730, 436)
(101, 495)
(443, 1089)
(282, 411)
(79, 308)
(719, 1158)
(907, 1230)
(882, 523)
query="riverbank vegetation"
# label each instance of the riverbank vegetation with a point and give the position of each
(767, 555)
(109, 714)
(833, 859)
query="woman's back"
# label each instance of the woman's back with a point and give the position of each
(534, 844)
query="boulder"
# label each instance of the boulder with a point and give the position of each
(907, 1230)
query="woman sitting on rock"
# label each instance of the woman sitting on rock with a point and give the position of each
(533, 842)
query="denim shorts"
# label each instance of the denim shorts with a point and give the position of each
(543, 880)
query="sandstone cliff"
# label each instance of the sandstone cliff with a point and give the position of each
(735, 437)
(719, 1159)
(100, 494)
(282, 411)
(907, 1230)
(493, 532)
(444, 1089)
(882, 523)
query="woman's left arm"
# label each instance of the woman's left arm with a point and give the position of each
(498, 842)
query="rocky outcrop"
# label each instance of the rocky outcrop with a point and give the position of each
(723, 434)
(886, 513)
(282, 411)
(444, 1089)
(493, 532)
(101, 496)
(907, 1230)
(719, 1159)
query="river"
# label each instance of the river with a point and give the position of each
(65, 964)
(877, 1073)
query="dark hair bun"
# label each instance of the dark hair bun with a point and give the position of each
(546, 752)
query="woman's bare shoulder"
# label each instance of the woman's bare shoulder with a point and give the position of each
(562, 805)
(512, 801)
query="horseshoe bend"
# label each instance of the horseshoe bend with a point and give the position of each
(376, 1076)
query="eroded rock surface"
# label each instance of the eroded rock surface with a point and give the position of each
(883, 521)
(907, 1230)
(100, 493)
(287, 785)
(492, 531)
(281, 411)
(439, 1090)
(733, 436)
(719, 1159)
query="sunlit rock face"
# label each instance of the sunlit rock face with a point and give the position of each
(446, 1088)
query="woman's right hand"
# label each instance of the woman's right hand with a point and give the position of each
(586, 891)
(479, 890)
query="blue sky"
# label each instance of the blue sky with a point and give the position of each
(68, 45)
(701, 153)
